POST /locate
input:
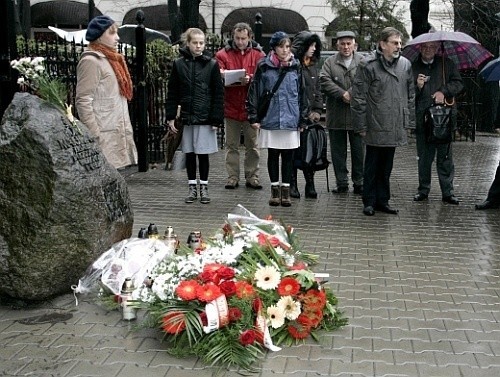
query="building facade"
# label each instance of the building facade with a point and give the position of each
(317, 14)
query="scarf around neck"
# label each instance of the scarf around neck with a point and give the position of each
(119, 66)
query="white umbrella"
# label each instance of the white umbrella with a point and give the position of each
(127, 34)
(78, 36)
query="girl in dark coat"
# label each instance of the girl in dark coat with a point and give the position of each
(195, 85)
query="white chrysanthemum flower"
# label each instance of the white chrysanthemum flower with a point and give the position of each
(276, 316)
(290, 307)
(20, 80)
(267, 277)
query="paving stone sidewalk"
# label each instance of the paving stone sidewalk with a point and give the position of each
(421, 289)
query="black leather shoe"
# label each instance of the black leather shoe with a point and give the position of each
(488, 204)
(386, 209)
(452, 199)
(358, 189)
(369, 211)
(420, 197)
(340, 190)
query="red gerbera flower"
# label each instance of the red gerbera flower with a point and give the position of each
(298, 331)
(173, 322)
(244, 289)
(288, 287)
(234, 314)
(208, 292)
(247, 337)
(228, 288)
(186, 290)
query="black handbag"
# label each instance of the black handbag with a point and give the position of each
(265, 98)
(438, 124)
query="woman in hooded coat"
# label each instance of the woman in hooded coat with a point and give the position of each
(306, 47)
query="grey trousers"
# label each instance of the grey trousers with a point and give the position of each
(444, 165)
(338, 150)
(234, 129)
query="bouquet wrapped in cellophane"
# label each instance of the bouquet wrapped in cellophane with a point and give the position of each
(246, 290)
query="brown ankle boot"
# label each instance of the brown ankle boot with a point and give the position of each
(275, 196)
(285, 196)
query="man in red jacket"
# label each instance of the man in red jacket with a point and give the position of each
(240, 53)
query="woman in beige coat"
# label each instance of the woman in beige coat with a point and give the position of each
(103, 89)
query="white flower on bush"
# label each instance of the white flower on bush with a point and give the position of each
(30, 70)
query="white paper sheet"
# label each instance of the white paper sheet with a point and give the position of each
(233, 76)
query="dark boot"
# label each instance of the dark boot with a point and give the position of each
(294, 191)
(275, 196)
(204, 198)
(192, 195)
(285, 196)
(310, 190)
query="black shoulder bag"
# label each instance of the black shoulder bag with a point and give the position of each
(438, 122)
(265, 99)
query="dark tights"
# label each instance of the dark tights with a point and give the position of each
(273, 160)
(191, 166)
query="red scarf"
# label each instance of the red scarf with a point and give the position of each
(119, 66)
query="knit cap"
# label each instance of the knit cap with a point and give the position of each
(97, 26)
(276, 38)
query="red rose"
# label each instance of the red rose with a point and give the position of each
(225, 273)
(203, 318)
(228, 288)
(257, 305)
(234, 314)
(247, 337)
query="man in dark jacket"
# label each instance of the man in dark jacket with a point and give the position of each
(437, 80)
(382, 108)
(306, 47)
(240, 53)
(336, 79)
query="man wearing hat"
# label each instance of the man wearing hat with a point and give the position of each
(336, 79)
(103, 90)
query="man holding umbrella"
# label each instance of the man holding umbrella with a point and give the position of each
(437, 82)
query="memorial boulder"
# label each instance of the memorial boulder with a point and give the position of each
(61, 203)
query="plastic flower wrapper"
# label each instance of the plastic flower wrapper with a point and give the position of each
(131, 258)
(245, 291)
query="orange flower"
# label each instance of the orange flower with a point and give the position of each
(208, 292)
(244, 290)
(298, 331)
(186, 290)
(288, 287)
(173, 322)
(314, 318)
(314, 299)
